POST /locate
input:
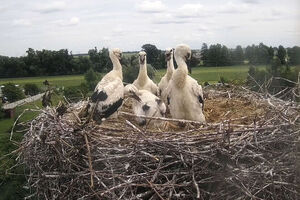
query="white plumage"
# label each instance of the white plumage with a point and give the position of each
(145, 103)
(143, 82)
(185, 96)
(109, 92)
(163, 84)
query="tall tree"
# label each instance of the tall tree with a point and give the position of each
(294, 55)
(204, 54)
(281, 54)
(238, 55)
(153, 54)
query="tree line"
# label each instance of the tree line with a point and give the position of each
(220, 55)
(62, 62)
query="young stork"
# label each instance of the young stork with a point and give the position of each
(109, 92)
(185, 96)
(143, 82)
(145, 103)
(163, 84)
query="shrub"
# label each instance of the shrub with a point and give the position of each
(76, 93)
(206, 83)
(31, 89)
(1, 111)
(223, 80)
(12, 92)
(92, 78)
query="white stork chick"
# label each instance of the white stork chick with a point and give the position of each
(145, 103)
(185, 96)
(143, 82)
(163, 84)
(109, 92)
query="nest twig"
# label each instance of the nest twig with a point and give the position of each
(119, 160)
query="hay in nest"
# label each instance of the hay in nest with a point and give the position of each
(247, 150)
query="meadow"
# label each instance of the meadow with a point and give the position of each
(201, 74)
(67, 80)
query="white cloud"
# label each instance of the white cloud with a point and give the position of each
(167, 18)
(151, 6)
(233, 8)
(192, 10)
(22, 22)
(251, 1)
(50, 7)
(73, 21)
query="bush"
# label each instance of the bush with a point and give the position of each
(223, 80)
(92, 78)
(12, 92)
(76, 93)
(1, 111)
(206, 83)
(31, 89)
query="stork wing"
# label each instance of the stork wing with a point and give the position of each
(197, 91)
(109, 97)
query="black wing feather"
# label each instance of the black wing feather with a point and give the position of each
(99, 96)
(200, 99)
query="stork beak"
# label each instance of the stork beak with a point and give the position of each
(168, 57)
(142, 59)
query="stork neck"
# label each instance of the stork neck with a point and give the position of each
(143, 71)
(170, 68)
(182, 66)
(117, 66)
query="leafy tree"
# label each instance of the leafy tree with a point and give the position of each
(155, 57)
(12, 92)
(204, 54)
(294, 55)
(195, 61)
(100, 60)
(31, 89)
(281, 54)
(92, 78)
(238, 55)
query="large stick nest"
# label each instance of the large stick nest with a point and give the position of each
(249, 149)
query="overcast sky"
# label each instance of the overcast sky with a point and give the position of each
(128, 24)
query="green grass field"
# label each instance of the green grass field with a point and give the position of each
(201, 74)
(213, 74)
(66, 81)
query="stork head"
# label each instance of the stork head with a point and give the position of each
(169, 53)
(183, 51)
(142, 57)
(115, 53)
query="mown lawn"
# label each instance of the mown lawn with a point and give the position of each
(213, 74)
(201, 74)
(68, 80)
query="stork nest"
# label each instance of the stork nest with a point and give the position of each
(249, 149)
